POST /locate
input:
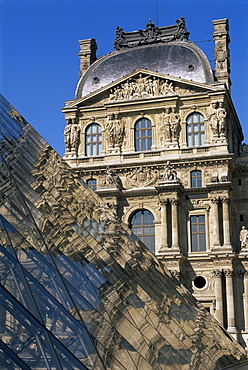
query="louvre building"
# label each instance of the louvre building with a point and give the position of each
(79, 290)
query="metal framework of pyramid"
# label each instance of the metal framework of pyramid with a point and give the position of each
(77, 289)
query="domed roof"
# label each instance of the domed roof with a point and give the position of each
(158, 51)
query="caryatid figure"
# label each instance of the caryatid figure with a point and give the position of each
(67, 135)
(75, 135)
(221, 115)
(175, 125)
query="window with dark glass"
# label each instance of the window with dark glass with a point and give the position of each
(93, 139)
(198, 233)
(195, 129)
(142, 224)
(196, 179)
(91, 183)
(143, 135)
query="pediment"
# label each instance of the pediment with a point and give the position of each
(141, 84)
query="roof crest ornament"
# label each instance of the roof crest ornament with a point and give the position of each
(151, 34)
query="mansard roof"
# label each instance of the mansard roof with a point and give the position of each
(162, 50)
(176, 86)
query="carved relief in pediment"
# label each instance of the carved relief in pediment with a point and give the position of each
(145, 87)
(141, 177)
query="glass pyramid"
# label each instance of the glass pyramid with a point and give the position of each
(78, 289)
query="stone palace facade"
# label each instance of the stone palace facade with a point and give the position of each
(153, 130)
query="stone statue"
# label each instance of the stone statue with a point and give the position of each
(67, 135)
(243, 236)
(214, 120)
(175, 126)
(75, 135)
(218, 119)
(150, 34)
(112, 178)
(120, 40)
(181, 32)
(110, 130)
(220, 55)
(115, 131)
(221, 115)
(169, 173)
(71, 135)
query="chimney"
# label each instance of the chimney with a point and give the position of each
(87, 54)
(222, 51)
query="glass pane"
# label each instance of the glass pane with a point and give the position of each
(202, 242)
(196, 139)
(193, 219)
(143, 144)
(194, 243)
(143, 133)
(149, 143)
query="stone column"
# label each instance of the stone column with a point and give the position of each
(174, 224)
(226, 223)
(231, 327)
(215, 218)
(218, 296)
(164, 232)
(246, 299)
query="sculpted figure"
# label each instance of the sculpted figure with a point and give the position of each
(165, 129)
(71, 135)
(167, 88)
(220, 55)
(175, 126)
(169, 173)
(120, 40)
(110, 130)
(67, 136)
(112, 178)
(181, 32)
(214, 120)
(75, 135)
(221, 115)
(243, 236)
(115, 131)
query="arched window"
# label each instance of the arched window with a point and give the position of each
(91, 183)
(196, 179)
(195, 129)
(198, 233)
(93, 138)
(143, 135)
(142, 224)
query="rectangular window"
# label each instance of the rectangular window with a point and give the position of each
(198, 233)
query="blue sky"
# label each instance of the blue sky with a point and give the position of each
(39, 53)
